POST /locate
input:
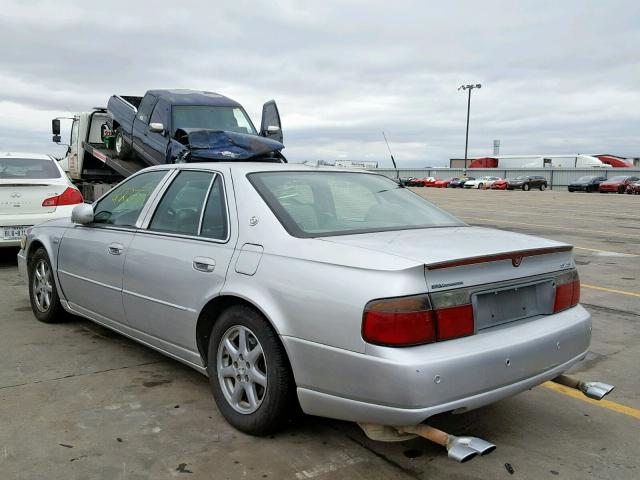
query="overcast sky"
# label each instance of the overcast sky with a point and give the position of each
(557, 77)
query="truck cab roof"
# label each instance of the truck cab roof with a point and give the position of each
(194, 97)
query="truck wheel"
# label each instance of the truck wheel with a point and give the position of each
(43, 293)
(526, 187)
(123, 150)
(249, 372)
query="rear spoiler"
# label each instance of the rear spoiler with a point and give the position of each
(515, 257)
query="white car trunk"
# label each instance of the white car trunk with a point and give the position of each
(25, 196)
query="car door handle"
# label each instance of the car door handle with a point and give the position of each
(204, 264)
(115, 248)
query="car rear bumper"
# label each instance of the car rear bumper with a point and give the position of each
(405, 386)
(29, 220)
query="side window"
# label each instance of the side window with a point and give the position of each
(214, 222)
(146, 105)
(160, 114)
(180, 209)
(74, 132)
(123, 205)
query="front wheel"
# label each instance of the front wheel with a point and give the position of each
(621, 190)
(543, 187)
(526, 187)
(249, 372)
(43, 293)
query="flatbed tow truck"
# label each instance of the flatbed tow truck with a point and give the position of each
(91, 166)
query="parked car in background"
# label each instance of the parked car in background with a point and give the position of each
(459, 183)
(633, 188)
(252, 246)
(482, 182)
(589, 183)
(33, 189)
(444, 183)
(500, 184)
(406, 181)
(426, 181)
(527, 182)
(617, 184)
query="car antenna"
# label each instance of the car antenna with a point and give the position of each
(393, 160)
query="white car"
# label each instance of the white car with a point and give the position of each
(482, 182)
(33, 189)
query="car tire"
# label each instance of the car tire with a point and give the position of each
(526, 187)
(43, 293)
(621, 190)
(543, 187)
(123, 149)
(480, 186)
(570, 190)
(270, 406)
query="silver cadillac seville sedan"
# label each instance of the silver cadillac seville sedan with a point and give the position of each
(336, 289)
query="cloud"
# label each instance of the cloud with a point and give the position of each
(558, 77)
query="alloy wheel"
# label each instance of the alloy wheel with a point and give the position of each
(42, 286)
(242, 369)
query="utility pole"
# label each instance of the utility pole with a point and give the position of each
(466, 140)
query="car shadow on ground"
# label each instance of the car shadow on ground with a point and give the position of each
(8, 257)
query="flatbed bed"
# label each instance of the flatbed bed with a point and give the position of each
(110, 159)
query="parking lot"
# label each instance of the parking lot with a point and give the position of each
(78, 401)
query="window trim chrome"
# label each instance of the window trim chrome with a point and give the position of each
(145, 208)
(144, 226)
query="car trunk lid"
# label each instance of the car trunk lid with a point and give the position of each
(505, 276)
(25, 196)
(480, 255)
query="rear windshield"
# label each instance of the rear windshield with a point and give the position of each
(617, 179)
(320, 204)
(22, 168)
(585, 179)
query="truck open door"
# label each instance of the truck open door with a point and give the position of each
(270, 126)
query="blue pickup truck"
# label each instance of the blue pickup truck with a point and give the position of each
(172, 126)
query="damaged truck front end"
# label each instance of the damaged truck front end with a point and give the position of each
(202, 145)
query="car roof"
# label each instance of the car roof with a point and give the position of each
(250, 167)
(183, 96)
(41, 156)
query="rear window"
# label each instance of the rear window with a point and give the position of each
(319, 204)
(23, 168)
(617, 179)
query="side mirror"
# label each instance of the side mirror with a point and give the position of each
(156, 127)
(82, 214)
(271, 129)
(56, 139)
(55, 126)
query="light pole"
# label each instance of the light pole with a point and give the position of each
(466, 140)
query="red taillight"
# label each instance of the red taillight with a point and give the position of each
(567, 291)
(70, 196)
(411, 321)
(399, 321)
(454, 322)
